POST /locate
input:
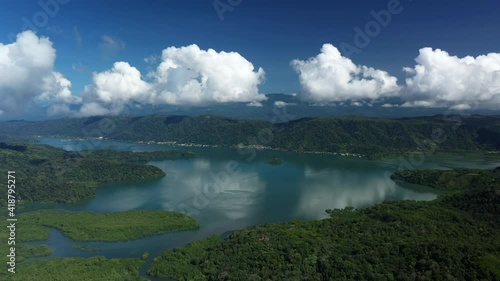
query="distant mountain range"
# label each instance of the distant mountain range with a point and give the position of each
(374, 137)
(295, 108)
(275, 104)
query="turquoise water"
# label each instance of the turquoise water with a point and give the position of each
(226, 189)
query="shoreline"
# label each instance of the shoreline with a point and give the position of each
(488, 153)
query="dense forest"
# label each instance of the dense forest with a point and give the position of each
(49, 174)
(455, 237)
(373, 137)
(77, 269)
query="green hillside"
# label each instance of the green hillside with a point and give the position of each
(47, 174)
(368, 136)
(455, 237)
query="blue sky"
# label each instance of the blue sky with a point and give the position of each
(269, 34)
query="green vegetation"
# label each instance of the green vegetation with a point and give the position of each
(452, 238)
(24, 251)
(373, 137)
(86, 226)
(49, 174)
(448, 180)
(85, 249)
(180, 263)
(122, 226)
(77, 269)
(275, 161)
(25, 233)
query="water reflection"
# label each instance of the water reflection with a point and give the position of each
(211, 187)
(323, 189)
(224, 195)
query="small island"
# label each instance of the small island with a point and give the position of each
(275, 161)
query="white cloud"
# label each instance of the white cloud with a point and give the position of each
(442, 80)
(281, 104)
(189, 75)
(26, 74)
(192, 76)
(113, 89)
(55, 89)
(185, 76)
(96, 109)
(389, 105)
(255, 104)
(59, 109)
(330, 77)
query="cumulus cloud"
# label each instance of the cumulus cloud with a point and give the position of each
(115, 88)
(26, 74)
(189, 75)
(185, 76)
(442, 80)
(55, 89)
(330, 77)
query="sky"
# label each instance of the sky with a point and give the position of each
(83, 58)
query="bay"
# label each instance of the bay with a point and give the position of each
(226, 189)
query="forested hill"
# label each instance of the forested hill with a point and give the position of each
(49, 174)
(367, 136)
(453, 238)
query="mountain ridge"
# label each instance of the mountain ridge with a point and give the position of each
(368, 136)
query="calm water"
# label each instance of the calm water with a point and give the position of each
(225, 190)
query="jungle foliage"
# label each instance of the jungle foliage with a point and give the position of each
(455, 237)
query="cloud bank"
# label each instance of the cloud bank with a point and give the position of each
(190, 76)
(437, 80)
(185, 76)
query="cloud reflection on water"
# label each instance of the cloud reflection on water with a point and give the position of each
(329, 189)
(234, 197)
